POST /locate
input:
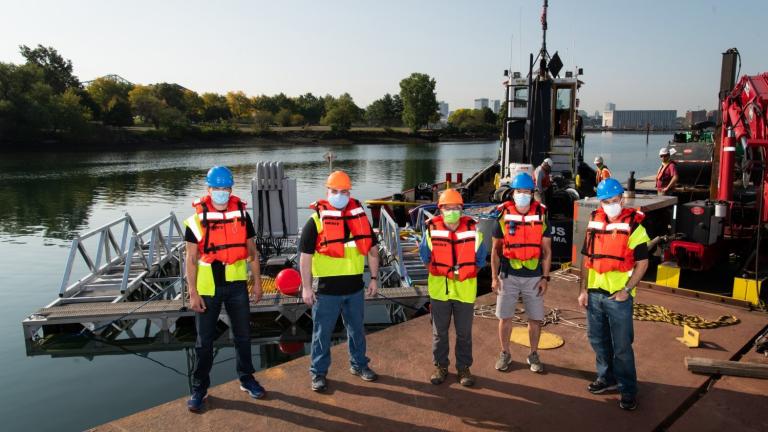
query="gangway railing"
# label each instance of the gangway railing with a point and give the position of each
(124, 257)
(390, 239)
(109, 253)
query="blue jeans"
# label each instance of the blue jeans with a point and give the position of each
(610, 331)
(325, 313)
(234, 297)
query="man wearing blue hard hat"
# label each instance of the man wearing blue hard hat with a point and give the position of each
(219, 250)
(615, 260)
(522, 251)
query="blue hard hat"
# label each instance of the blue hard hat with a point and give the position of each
(220, 176)
(523, 181)
(609, 188)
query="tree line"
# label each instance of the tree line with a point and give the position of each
(43, 96)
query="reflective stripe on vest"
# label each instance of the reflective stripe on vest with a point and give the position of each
(352, 263)
(607, 243)
(226, 235)
(523, 233)
(453, 269)
(339, 225)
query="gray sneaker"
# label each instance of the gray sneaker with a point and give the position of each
(504, 362)
(365, 373)
(535, 363)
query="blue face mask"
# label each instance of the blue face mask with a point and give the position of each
(338, 200)
(220, 197)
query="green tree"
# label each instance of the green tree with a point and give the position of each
(57, 70)
(264, 103)
(215, 107)
(283, 117)
(239, 105)
(145, 104)
(342, 113)
(194, 108)
(419, 100)
(111, 97)
(67, 114)
(310, 107)
(386, 111)
(297, 120)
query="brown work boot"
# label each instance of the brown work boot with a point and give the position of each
(438, 377)
(465, 377)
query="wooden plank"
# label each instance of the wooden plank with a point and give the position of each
(723, 367)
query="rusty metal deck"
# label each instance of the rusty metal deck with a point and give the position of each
(403, 398)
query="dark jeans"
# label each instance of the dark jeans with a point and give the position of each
(441, 322)
(610, 331)
(234, 297)
(325, 313)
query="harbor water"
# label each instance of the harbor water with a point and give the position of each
(50, 197)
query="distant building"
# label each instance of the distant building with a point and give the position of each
(481, 103)
(639, 119)
(693, 117)
(443, 108)
(597, 114)
(712, 116)
(610, 106)
(495, 106)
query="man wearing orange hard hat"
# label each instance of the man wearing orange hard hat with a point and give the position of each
(333, 245)
(453, 251)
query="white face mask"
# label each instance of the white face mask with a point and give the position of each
(521, 199)
(612, 210)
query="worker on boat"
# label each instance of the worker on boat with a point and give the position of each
(453, 252)
(522, 252)
(666, 176)
(220, 248)
(615, 259)
(602, 170)
(543, 178)
(334, 243)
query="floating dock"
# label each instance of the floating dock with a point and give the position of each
(671, 398)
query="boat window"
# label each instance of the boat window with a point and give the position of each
(563, 117)
(521, 97)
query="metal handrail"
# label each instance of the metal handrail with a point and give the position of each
(422, 217)
(107, 250)
(155, 250)
(390, 237)
(152, 246)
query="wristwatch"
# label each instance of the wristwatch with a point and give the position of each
(374, 278)
(547, 278)
(627, 290)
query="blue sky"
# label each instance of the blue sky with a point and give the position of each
(649, 54)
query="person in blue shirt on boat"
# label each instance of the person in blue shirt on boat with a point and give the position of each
(522, 252)
(453, 251)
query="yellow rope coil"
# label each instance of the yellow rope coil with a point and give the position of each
(644, 312)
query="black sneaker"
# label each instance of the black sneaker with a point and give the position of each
(366, 373)
(598, 387)
(628, 402)
(319, 384)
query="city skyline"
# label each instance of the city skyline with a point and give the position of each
(658, 55)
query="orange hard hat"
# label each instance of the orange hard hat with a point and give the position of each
(450, 196)
(339, 180)
(288, 281)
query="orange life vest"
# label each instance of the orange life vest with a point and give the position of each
(339, 224)
(224, 234)
(602, 174)
(522, 232)
(607, 243)
(453, 252)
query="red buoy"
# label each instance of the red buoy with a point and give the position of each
(291, 347)
(288, 281)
